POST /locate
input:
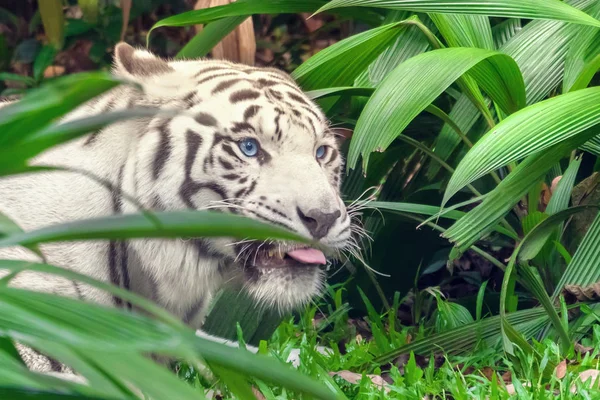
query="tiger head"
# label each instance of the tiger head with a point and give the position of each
(248, 141)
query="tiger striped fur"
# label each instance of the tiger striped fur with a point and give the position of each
(189, 161)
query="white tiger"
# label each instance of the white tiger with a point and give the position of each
(251, 142)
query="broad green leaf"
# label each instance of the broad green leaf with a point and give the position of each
(539, 49)
(534, 241)
(505, 30)
(7, 76)
(44, 59)
(160, 225)
(465, 30)
(63, 132)
(464, 114)
(584, 268)
(592, 146)
(414, 84)
(412, 41)
(50, 316)
(533, 129)
(579, 70)
(432, 211)
(53, 20)
(340, 63)
(90, 9)
(340, 91)
(481, 220)
(213, 33)
(531, 9)
(251, 7)
(562, 194)
(40, 107)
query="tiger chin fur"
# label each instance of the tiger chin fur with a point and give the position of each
(188, 161)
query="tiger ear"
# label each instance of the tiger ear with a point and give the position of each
(134, 63)
(341, 134)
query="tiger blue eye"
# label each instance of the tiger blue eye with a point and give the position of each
(249, 147)
(321, 152)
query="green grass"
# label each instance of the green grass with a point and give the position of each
(485, 373)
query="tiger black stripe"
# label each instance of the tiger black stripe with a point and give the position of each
(243, 95)
(297, 98)
(227, 149)
(241, 127)
(163, 150)
(272, 221)
(206, 119)
(332, 157)
(191, 100)
(117, 259)
(77, 290)
(189, 187)
(226, 85)
(225, 164)
(210, 78)
(251, 112)
(211, 69)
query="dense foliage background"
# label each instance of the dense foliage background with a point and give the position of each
(473, 155)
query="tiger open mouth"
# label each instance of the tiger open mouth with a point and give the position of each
(270, 256)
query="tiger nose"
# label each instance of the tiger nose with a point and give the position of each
(317, 222)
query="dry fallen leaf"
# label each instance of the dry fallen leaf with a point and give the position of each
(561, 369)
(585, 376)
(354, 378)
(54, 70)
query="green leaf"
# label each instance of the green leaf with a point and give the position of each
(414, 84)
(213, 33)
(562, 194)
(531, 9)
(534, 241)
(584, 268)
(7, 76)
(63, 132)
(340, 91)
(463, 339)
(505, 30)
(160, 225)
(43, 316)
(533, 129)
(340, 63)
(412, 41)
(465, 115)
(433, 211)
(40, 107)
(579, 70)
(53, 20)
(481, 220)
(43, 60)
(465, 30)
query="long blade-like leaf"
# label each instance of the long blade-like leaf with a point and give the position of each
(533, 129)
(341, 63)
(532, 9)
(414, 84)
(161, 225)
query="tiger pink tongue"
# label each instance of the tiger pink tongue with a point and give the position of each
(308, 256)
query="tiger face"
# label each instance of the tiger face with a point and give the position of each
(248, 141)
